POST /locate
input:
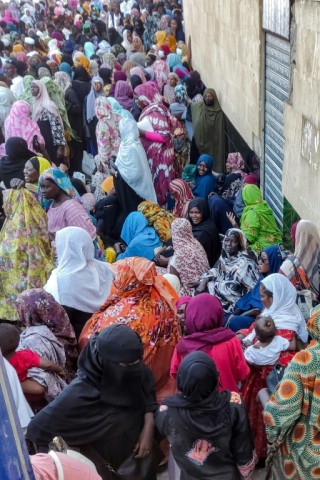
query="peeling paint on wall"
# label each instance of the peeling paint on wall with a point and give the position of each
(310, 139)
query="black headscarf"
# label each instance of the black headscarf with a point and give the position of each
(17, 149)
(199, 409)
(114, 37)
(81, 74)
(105, 73)
(100, 364)
(135, 80)
(12, 165)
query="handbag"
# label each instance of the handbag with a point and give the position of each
(274, 377)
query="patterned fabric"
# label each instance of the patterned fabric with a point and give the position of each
(107, 130)
(307, 250)
(292, 417)
(190, 258)
(25, 252)
(182, 195)
(61, 180)
(161, 72)
(57, 96)
(235, 163)
(144, 301)
(55, 125)
(158, 218)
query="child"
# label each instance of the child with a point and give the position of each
(22, 360)
(267, 349)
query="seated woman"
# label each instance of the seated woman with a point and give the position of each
(302, 268)
(106, 421)
(204, 331)
(144, 301)
(64, 210)
(205, 181)
(33, 169)
(182, 195)
(257, 220)
(107, 130)
(233, 180)
(236, 272)
(291, 414)
(203, 229)
(206, 445)
(219, 210)
(140, 239)
(25, 250)
(190, 260)
(76, 265)
(132, 178)
(158, 218)
(13, 163)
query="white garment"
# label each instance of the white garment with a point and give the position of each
(132, 161)
(126, 7)
(284, 311)
(268, 355)
(23, 408)
(79, 281)
(17, 87)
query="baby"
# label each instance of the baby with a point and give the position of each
(22, 360)
(267, 349)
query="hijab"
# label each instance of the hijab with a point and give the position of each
(7, 99)
(89, 50)
(66, 68)
(91, 98)
(77, 267)
(307, 250)
(42, 101)
(126, 44)
(132, 161)
(17, 149)
(63, 80)
(235, 163)
(124, 94)
(80, 60)
(204, 184)
(81, 74)
(204, 325)
(161, 36)
(138, 71)
(182, 195)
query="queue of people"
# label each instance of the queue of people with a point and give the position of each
(145, 293)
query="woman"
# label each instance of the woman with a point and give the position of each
(108, 421)
(278, 297)
(33, 169)
(19, 124)
(25, 250)
(158, 218)
(117, 108)
(107, 130)
(13, 163)
(181, 305)
(208, 430)
(144, 301)
(116, 77)
(81, 84)
(161, 73)
(64, 210)
(257, 220)
(89, 110)
(293, 432)
(203, 229)
(47, 116)
(205, 181)
(127, 40)
(124, 94)
(182, 195)
(132, 178)
(168, 89)
(160, 38)
(137, 45)
(139, 72)
(80, 60)
(177, 29)
(39, 312)
(235, 274)
(204, 331)
(235, 174)
(302, 268)
(76, 265)
(140, 239)
(75, 112)
(190, 260)
(157, 143)
(7, 99)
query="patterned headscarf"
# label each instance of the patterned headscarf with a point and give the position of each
(80, 60)
(63, 80)
(57, 97)
(182, 195)
(61, 180)
(235, 163)
(147, 94)
(110, 60)
(180, 92)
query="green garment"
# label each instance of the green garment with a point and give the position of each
(257, 220)
(292, 417)
(26, 95)
(208, 130)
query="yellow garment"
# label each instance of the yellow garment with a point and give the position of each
(80, 60)
(17, 48)
(26, 258)
(161, 36)
(107, 185)
(44, 164)
(171, 42)
(110, 255)
(158, 218)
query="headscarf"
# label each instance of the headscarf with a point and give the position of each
(68, 46)
(80, 60)
(161, 38)
(161, 72)
(138, 71)
(204, 325)
(141, 239)
(307, 250)
(89, 50)
(132, 161)
(124, 94)
(117, 76)
(173, 60)
(147, 94)
(137, 44)
(236, 163)
(138, 59)
(26, 95)
(17, 149)
(204, 184)
(174, 281)
(77, 267)
(107, 130)
(126, 44)
(158, 218)
(22, 57)
(57, 96)
(61, 180)
(188, 174)
(127, 66)
(63, 80)
(190, 257)
(91, 98)
(110, 60)
(182, 195)
(44, 72)
(7, 99)
(81, 74)
(42, 101)
(117, 108)
(171, 41)
(182, 301)
(180, 92)
(40, 164)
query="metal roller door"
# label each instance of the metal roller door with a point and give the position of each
(277, 87)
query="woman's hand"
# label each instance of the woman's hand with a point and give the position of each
(119, 247)
(201, 288)
(144, 444)
(16, 183)
(232, 219)
(161, 261)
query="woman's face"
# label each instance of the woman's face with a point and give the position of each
(30, 173)
(35, 90)
(181, 315)
(265, 299)
(138, 102)
(129, 36)
(202, 168)
(195, 215)
(173, 25)
(50, 190)
(97, 87)
(173, 81)
(136, 43)
(231, 244)
(263, 263)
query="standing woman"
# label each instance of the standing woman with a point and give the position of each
(157, 141)
(47, 116)
(81, 84)
(74, 111)
(90, 114)
(7, 99)
(107, 130)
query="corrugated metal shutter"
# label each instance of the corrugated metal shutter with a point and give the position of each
(277, 87)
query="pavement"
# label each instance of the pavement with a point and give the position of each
(258, 475)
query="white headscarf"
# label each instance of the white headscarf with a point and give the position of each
(132, 161)
(7, 99)
(42, 101)
(284, 310)
(79, 281)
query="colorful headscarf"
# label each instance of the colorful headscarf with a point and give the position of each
(61, 180)
(57, 97)
(158, 218)
(180, 92)
(235, 163)
(182, 195)
(80, 60)
(63, 80)
(147, 94)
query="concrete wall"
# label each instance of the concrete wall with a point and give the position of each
(301, 179)
(226, 50)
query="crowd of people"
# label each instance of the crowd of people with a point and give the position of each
(147, 301)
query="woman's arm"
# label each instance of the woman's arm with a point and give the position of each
(250, 225)
(154, 137)
(144, 444)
